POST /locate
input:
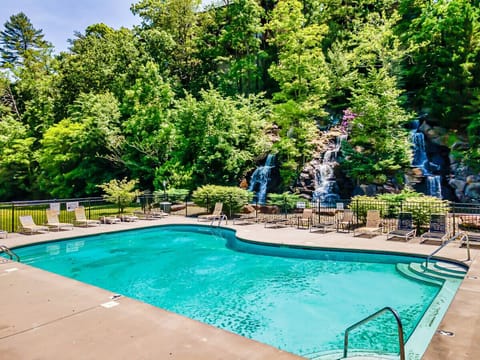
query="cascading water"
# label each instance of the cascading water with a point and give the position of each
(421, 161)
(260, 179)
(326, 190)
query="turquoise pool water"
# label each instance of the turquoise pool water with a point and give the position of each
(298, 300)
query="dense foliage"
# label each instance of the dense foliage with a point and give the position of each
(194, 97)
(390, 205)
(233, 198)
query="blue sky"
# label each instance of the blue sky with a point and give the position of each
(59, 19)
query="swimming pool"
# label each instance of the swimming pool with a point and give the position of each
(298, 300)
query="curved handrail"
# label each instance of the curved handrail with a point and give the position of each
(371, 317)
(9, 252)
(453, 238)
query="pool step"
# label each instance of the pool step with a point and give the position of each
(352, 355)
(448, 267)
(406, 271)
(433, 272)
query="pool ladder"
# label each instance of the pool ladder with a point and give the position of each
(222, 217)
(401, 341)
(10, 253)
(461, 236)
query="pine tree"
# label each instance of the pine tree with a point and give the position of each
(20, 42)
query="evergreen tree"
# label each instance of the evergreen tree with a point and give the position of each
(21, 42)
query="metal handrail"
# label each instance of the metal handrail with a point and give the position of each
(9, 252)
(222, 217)
(401, 341)
(453, 238)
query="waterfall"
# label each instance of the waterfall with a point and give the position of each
(434, 187)
(419, 153)
(326, 190)
(260, 179)
(421, 161)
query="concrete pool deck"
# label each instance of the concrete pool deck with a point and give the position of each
(46, 316)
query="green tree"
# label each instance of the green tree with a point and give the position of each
(379, 147)
(442, 70)
(122, 192)
(21, 42)
(74, 153)
(218, 139)
(148, 130)
(16, 159)
(241, 39)
(101, 60)
(301, 75)
(176, 23)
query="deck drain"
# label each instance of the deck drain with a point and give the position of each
(110, 304)
(445, 333)
(473, 277)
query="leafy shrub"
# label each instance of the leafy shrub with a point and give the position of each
(423, 206)
(122, 192)
(390, 205)
(360, 204)
(286, 201)
(173, 195)
(232, 197)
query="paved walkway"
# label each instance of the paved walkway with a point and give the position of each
(46, 316)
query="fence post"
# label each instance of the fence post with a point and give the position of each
(356, 215)
(453, 216)
(13, 217)
(186, 205)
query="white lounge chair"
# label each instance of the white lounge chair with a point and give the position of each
(215, 215)
(28, 226)
(345, 222)
(81, 218)
(54, 223)
(373, 225)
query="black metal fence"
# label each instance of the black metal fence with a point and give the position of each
(460, 215)
(94, 208)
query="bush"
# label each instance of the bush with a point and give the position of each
(360, 204)
(423, 206)
(286, 201)
(173, 195)
(390, 205)
(233, 198)
(122, 192)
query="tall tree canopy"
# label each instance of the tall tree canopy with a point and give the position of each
(21, 42)
(194, 96)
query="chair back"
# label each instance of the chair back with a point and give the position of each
(26, 220)
(52, 216)
(373, 218)
(307, 213)
(438, 223)
(80, 213)
(218, 209)
(405, 221)
(347, 216)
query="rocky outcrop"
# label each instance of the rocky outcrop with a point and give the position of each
(459, 182)
(462, 180)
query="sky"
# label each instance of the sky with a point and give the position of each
(60, 19)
